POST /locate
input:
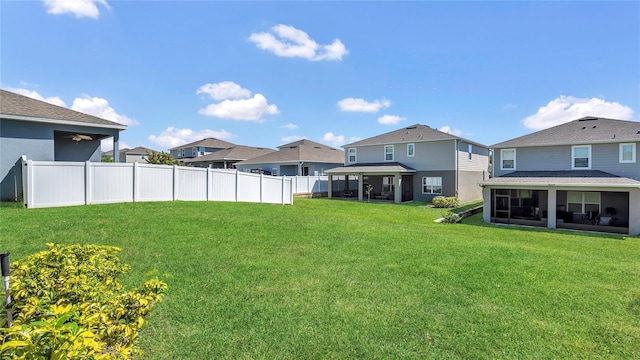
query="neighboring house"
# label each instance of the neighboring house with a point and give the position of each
(303, 157)
(46, 132)
(137, 154)
(227, 158)
(584, 174)
(415, 163)
(199, 148)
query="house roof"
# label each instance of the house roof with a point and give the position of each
(238, 152)
(567, 178)
(302, 150)
(23, 108)
(207, 142)
(137, 150)
(586, 130)
(409, 134)
(390, 167)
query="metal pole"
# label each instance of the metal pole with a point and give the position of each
(4, 259)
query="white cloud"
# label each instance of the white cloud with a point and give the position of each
(290, 126)
(361, 105)
(447, 129)
(100, 107)
(335, 140)
(390, 119)
(567, 108)
(79, 8)
(55, 100)
(354, 139)
(250, 109)
(291, 138)
(224, 90)
(292, 42)
(172, 136)
(107, 145)
(510, 106)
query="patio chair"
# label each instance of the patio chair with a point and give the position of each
(591, 218)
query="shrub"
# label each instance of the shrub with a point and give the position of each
(445, 202)
(451, 218)
(68, 304)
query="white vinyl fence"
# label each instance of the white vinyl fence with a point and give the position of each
(55, 183)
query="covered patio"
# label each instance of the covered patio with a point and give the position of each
(387, 181)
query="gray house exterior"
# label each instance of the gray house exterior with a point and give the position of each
(227, 158)
(46, 132)
(302, 158)
(199, 148)
(415, 163)
(137, 154)
(584, 174)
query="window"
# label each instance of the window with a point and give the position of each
(201, 151)
(387, 184)
(182, 152)
(470, 150)
(628, 153)
(305, 171)
(581, 157)
(193, 152)
(274, 171)
(388, 153)
(352, 155)
(583, 201)
(411, 150)
(508, 159)
(432, 185)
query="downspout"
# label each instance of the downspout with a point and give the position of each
(455, 181)
(300, 168)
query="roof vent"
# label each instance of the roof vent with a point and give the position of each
(420, 136)
(584, 127)
(411, 127)
(638, 132)
(594, 126)
(588, 118)
(317, 147)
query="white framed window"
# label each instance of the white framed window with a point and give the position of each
(274, 171)
(583, 201)
(411, 150)
(628, 153)
(431, 185)
(201, 150)
(387, 183)
(388, 153)
(470, 150)
(581, 157)
(508, 159)
(353, 155)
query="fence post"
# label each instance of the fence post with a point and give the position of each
(309, 189)
(25, 183)
(87, 182)
(175, 182)
(291, 195)
(135, 182)
(261, 187)
(283, 187)
(237, 178)
(208, 184)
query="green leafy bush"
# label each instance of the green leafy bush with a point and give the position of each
(68, 304)
(451, 218)
(445, 202)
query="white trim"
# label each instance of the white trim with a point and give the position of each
(355, 155)
(502, 159)
(558, 185)
(384, 148)
(633, 153)
(63, 122)
(413, 146)
(422, 185)
(573, 159)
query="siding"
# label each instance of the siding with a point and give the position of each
(434, 155)
(604, 157)
(468, 188)
(479, 160)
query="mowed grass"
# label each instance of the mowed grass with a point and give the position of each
(342, 279)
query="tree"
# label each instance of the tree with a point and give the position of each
(162, 158)
(106, 158)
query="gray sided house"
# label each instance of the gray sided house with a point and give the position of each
(227, 158)
(137, 154)
(302, 158)
(584, 174)
(199, 148)
(414, 163)
(46, 132)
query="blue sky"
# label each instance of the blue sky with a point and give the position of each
(267, 73)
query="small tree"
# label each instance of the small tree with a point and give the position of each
(368, 189)
(162, 158)
(106, 158)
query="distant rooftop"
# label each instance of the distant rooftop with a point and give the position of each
(409, 134)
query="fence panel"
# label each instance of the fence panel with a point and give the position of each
(249, 187)
(111, 183)
(154, 182)
(57, 183)
(223, 185)
(192, 183)
(272, 189)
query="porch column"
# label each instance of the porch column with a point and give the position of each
(116, 147)
(329, 186)
(486, 204)
(551, 207)
(634, 212)
(360, 185)
(397, 188)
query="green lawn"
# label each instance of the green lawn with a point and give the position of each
(342, 279)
